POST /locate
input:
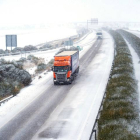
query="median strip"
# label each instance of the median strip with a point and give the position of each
(119, 118)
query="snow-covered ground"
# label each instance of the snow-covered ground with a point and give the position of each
(43, 54)
(36, 36)
(134, 28)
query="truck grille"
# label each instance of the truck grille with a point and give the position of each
(61, 77)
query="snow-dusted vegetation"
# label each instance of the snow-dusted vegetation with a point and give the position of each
(12, 78)
(133, 39)
(119, 119)
(14, 75)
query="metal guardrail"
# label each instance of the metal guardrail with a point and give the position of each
(94, 131)
(25, 52)
(100, 109)
(96, 121)
(6, 99)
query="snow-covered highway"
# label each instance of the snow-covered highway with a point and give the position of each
(65, 112)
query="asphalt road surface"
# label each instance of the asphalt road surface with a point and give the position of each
(26, 124)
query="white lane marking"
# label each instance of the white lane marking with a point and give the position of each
(80, 135)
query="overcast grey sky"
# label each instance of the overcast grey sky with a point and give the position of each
(44, 11)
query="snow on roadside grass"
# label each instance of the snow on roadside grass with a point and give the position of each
(47, 55)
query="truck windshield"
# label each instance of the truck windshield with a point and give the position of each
(61, 68)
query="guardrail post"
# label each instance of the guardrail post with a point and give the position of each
(5, 100)
(95, 135)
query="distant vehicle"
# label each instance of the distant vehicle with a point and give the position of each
(66, 67)
(99, 34)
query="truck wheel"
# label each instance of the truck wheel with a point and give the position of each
(55, 83)
(70, 81)
(77, 71)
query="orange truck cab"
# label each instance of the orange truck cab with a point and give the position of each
(66, 67)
